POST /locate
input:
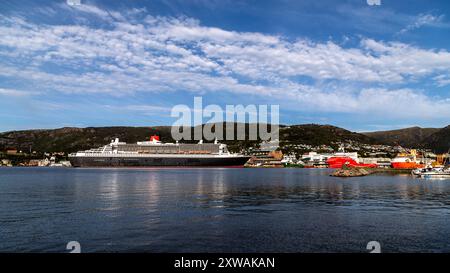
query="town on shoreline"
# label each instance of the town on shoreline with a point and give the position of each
(272, 155)
(299, 146)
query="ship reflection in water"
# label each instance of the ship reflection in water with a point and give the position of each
(219, 210)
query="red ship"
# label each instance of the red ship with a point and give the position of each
(406, 163)
(337, 162)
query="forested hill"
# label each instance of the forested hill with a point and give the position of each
(71, 139)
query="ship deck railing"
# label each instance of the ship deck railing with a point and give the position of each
(145, 155)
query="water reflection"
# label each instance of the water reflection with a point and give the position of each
(219, 210)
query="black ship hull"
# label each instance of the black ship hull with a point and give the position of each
(81, 161)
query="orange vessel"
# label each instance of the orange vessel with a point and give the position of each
(406, 161)
(407, 165)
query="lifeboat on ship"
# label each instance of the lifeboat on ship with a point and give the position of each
(338, 162)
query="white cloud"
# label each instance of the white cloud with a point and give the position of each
(423, 20)
(183, 45)
(90, 9)
(145, 108)
(392, 103)
(15, 93)
(162, 54)
(442, 80)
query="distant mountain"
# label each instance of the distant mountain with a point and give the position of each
(438, 141)
(408, 137)
(71, 139)
(315, 135)
(75, 139)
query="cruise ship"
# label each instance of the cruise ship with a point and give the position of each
(155, 153)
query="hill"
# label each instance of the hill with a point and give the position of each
(408, 137)
(75, 139)
(439, 141)
(315, 135)
(71, 139)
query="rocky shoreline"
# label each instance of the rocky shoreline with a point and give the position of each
(352, 172)
(355, 172)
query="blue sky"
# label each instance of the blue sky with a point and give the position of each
(105, 63)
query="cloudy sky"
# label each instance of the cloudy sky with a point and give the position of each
(106, 63)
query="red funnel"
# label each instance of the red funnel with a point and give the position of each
(154, 138)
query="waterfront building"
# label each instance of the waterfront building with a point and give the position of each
(11, 151)
(6, 163)
(267, 155)
(271, 159)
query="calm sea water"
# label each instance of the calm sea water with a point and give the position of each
(219, 210)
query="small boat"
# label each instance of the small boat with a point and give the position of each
(433, 172)
(420, 171)
(436, 174)
(430, 172)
